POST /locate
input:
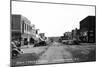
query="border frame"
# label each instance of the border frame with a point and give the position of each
(45, 3)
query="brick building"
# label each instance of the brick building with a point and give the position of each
(16, 27)
(21, 28)
(88, 29)
(76, 34)
(68, 35)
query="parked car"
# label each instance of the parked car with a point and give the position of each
(15, 50)
(69, 41)
(42, 43)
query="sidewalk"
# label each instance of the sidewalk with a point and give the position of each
(87, 43)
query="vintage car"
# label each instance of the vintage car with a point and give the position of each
(66, 41)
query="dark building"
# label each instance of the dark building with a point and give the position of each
(88, 29)
(15, 27)
(21, 28)
(68, 35)
(75, 34)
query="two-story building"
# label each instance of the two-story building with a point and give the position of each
(21, 28)
(88, 29)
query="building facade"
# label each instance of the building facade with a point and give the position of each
(25, 28)
(75, 34)
(16, 27)
(88, 29)
(21, 28)
(68, 35)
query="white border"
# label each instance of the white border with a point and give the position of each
(5, 34)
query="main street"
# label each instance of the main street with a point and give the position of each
(55, 52)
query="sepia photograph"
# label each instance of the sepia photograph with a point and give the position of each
(51, 33)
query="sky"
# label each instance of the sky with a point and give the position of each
(53, 19)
